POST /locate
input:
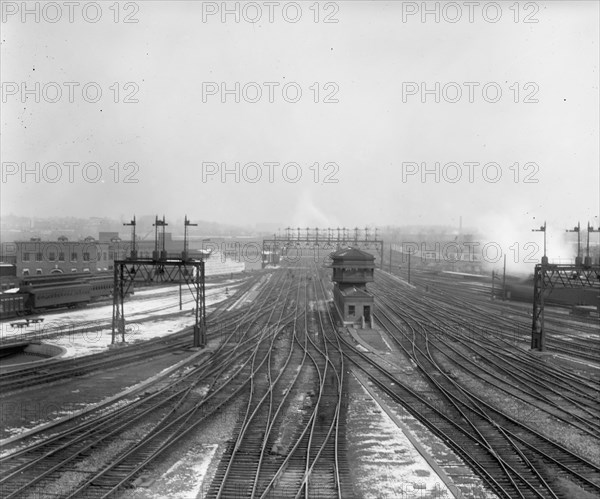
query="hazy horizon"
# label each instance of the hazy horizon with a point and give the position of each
(349, 143)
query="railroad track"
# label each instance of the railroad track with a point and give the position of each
(285, 362)
(566, 396)
(164, 418)
(475, 304)
(19, 377)
(517, 460)
(269, 458)
(60, 327)
(240, 466)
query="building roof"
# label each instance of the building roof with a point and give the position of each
(357, 292)
(353, 254)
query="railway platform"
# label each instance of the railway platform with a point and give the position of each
(371, 339)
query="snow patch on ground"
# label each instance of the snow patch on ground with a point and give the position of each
(150, 314)
(390, 465)
(185, 478)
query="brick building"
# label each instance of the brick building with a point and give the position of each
(37, 257)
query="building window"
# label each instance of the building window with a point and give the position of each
(86, 270)
(105, 255)
(38, 257)
(111, 255)
(26, 256)
(51, 256)
(25, 271)
(73, 270)
(86, 257)
(61, 257)
(351, 309)
(73, 257)
(38, 272)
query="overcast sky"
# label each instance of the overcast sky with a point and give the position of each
(372, 138)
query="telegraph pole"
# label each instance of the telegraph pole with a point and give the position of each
(184, 255)
(588, 258)
(578, 257)
(504, 279)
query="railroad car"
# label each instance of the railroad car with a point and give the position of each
(570, 297)
(45, 292)
(44, 297)
(100, 288)
(53, 279)
(101, 285)
(13, 304)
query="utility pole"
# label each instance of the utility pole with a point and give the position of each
(588, 258)
(184, 255)
(504, 280)
(186, 224)
(578, 257)
(159, 223)
(409, 267)
(163, 225)
(155, 236)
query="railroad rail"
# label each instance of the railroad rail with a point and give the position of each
(164, 415)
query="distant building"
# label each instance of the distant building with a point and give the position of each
(37, 257)
(8, 277)
(8, 253)
(352, 269)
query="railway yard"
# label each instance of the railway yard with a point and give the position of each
(442, 398)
